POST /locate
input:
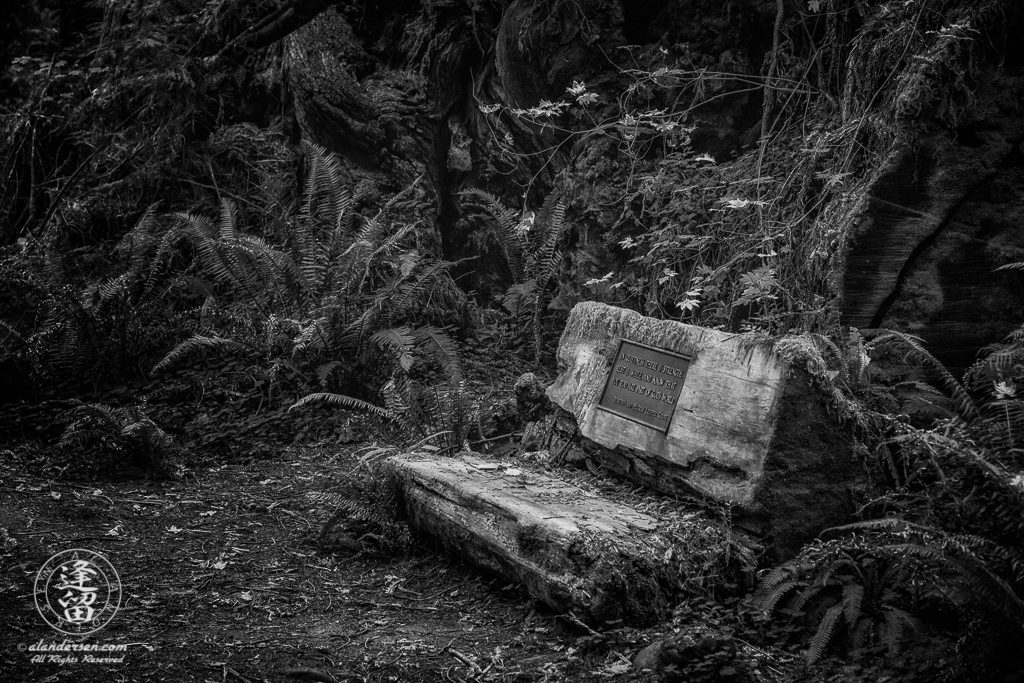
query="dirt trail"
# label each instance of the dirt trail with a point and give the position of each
(222, 581)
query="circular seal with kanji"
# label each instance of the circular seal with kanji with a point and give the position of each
(77, 592)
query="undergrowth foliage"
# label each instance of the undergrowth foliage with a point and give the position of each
(366, 508)
(529, 242)
(867, 589)
(753, 242)
(122, 106)
(342, 303)
(66, 330)
(942, 551)
(114, 439)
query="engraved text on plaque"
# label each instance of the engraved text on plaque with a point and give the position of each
(644, 384)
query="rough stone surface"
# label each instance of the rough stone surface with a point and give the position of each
(570, 549)
(748, 430)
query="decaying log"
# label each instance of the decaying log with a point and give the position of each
(571, 549)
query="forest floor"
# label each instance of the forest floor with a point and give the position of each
(223, 581)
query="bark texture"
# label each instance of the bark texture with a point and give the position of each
(945, 212)
(571, 550)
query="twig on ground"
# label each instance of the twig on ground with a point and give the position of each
(572, 619)
(474, 668)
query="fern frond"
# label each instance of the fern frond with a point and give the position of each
(398, 342)
(769, 599)
(414, 293)
(341, 400)
(786, 572)
(354, 335)
(10, 333)
(197, 226)
(314, 335)
(445, 350)
(65, 351)
(226, 223)
(398, 399)
(853, 599)
(805, 596)
(550, 219)
(838, 564)
(324, 371)
(325, 193)
(975, 579)
(200, 342)
(897, 574)
(827, 628)
(861, 633)
(504, 223)
(961, 399)
(342, 215)
(879, 524)
(53, 269)
(136, 243)
(104, 413)
(115, 287)
(369, 235)
(145, 433)
(896, 621)
(538, 309)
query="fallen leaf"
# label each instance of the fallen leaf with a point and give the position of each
(616, 669)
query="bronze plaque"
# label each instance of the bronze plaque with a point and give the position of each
(644, 384)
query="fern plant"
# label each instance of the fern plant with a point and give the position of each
(66, 325)
(529, 244)
(425, 401)
(366, 506)
(330, 303)
(846, 594)
(867, 587)
(996, 381)
(113, 438)
(986, 433)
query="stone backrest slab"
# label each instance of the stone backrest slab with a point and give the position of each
(724, 413)
(748, 428)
